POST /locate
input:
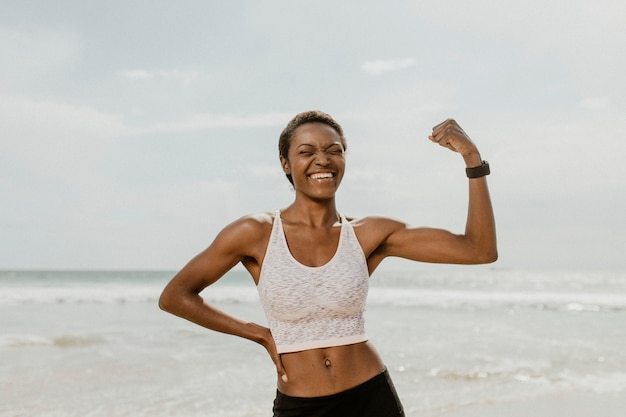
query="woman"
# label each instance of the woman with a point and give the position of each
(311, 266)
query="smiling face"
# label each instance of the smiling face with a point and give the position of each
(311, 116)
(315, 160)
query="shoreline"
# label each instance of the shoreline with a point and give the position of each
(571, 404)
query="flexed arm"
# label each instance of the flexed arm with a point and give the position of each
(480, 230)
(475, 246)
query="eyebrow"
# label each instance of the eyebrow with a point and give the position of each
(308, 145)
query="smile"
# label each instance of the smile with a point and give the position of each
(322, 175)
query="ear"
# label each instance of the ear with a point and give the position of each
(285, 164)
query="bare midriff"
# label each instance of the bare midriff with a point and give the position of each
(327, 371)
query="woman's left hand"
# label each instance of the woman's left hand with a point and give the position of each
(450, 135)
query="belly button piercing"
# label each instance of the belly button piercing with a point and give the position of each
(327, 362)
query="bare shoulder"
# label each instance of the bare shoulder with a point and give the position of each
(243, 240)
(256, 220)
(373, 231)
(376, 224)
(249, 228)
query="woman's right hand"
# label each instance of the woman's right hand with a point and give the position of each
(269, 344)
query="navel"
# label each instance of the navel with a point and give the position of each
(327, 363)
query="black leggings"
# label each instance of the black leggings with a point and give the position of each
(374, 398)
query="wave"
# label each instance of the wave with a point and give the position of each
(502, 382)
(539, 373)
(63, 341)
(378, 296)
(570, 301)
(79, 295)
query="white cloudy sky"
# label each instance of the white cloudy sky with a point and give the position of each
(132, 131)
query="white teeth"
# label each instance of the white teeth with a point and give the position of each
(322, 175)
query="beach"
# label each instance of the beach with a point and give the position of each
(571, 405)
(459, 342)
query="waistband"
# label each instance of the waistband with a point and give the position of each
(375, 397)
(381, 377)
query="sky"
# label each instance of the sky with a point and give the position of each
(131, 132)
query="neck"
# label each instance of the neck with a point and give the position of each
(312, 213)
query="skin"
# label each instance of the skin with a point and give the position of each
(312, 230)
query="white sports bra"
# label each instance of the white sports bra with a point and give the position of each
(314, 307)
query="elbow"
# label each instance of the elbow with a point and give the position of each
(166, 302)
(487, 256)
(485, 250)
(175, 300)
(481, 253)
(163, 302)
(494, 256)
(491, 258)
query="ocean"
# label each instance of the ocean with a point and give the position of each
(456, 341)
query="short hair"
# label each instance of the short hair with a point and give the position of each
(311, 116)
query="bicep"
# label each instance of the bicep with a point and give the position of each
(206, 267)
(426, 244)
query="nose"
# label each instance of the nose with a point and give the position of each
(321, 158)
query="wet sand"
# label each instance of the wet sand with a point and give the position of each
(570, 405)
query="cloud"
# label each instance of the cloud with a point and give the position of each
(32, 56)
(27, 120)
(582, 35)
(265, 171)
(204, 121)
(53, 138)
(594, 103)
(30, 117)
(381, 66)
(186, 77)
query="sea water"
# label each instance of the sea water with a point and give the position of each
(96, 344)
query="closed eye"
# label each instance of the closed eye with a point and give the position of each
(308, 150)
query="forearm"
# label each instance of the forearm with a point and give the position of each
(192, 307)
(480, 229)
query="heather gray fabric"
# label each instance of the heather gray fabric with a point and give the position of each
(314, 307)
